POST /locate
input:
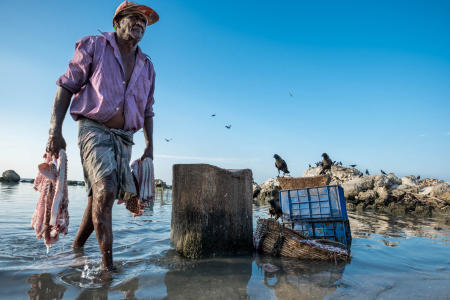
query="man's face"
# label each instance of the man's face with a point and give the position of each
(131, 27)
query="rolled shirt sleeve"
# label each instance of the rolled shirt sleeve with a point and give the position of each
(78, 71)
(149, 107)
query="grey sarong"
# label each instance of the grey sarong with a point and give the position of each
(104, 150)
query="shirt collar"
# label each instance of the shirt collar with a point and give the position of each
(110, 37)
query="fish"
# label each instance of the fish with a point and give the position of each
(144, 179)
(51, 216)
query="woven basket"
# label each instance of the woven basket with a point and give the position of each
(292, 183)
(273, 238)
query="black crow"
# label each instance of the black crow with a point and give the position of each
(382, 172)
(367, 172)
(281, 165)
(326, 163)
(352, 166)
(228, 126)
(275, 208)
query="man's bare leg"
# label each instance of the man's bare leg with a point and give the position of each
(104, 192)
(86, 226)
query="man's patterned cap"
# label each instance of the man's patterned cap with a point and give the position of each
(128, 6)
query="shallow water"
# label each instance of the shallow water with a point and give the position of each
(392, 258)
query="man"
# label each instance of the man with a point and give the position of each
(113, 83)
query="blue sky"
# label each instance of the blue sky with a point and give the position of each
(370, 82)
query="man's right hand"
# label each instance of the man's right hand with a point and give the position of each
(54, 144)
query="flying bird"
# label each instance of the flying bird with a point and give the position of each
(168, 140)
(310, 165)
(383, 172)
(281, 165)
(367, 172)
(326, 163)
(228, 126)
(213, 115)
(352, 166)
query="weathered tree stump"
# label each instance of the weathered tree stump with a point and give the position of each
(211, 210)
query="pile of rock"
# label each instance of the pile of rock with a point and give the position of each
(388, 193)
(10, 176)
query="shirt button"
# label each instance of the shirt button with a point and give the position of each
(117, 108)
(123, 82)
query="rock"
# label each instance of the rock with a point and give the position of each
(338, 174)
(387, 181)
(10, 176)
(211, 211)
(269, 190)
(357, 185)
(27, 180)
(382, 195)
(429, 182)
(160, 184)
(409, 180)
(440, 190)
(367, 196)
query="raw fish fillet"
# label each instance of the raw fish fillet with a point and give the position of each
(51, 216)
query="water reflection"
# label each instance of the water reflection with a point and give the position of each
(8, 189)
(94, 294)
(297, 279)
(369, 223)
(214, 278)
(43, 287)
(128, 288)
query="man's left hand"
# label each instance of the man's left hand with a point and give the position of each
(148, 152)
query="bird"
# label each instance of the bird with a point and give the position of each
(418, 177)
(213, 115)
(168, 140)
(340, 163)
(352, 166)
(382, 172)
(334, 162)
(309, 165)
(275, 209)
(326, 163)
(228, 126)
(318, 163)
(367, 172)
(281, 165)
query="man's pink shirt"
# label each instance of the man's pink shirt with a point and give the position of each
(96, 78)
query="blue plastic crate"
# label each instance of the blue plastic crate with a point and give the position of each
(338, 231)
(324, 203)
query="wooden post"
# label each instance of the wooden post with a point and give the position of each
(211, 210)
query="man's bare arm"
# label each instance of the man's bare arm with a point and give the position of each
(148, 134)
(56, 141)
